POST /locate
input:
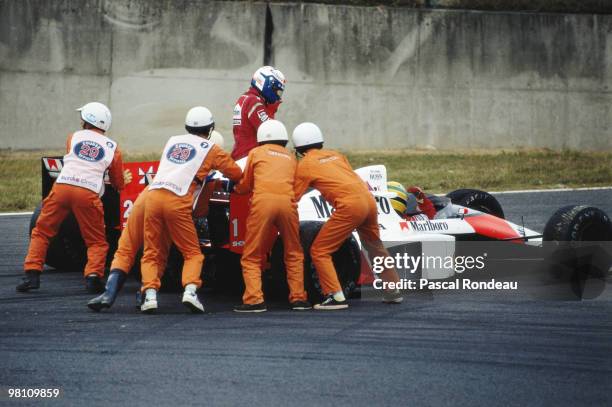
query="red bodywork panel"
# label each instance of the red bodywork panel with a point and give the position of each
(239, 209)
(142, 174)
(493, 227)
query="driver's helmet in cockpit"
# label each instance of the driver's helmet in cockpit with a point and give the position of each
(404, 203)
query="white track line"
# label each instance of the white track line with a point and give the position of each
(528, 191)
(16, 213)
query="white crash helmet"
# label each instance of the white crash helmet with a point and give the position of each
(272, 130)
(199, 116)
(270, 82)
(96, 114)
(217, 138)
(306, 134)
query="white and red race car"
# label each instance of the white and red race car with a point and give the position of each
(465, 215)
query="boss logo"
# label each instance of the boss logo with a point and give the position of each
(376, 176)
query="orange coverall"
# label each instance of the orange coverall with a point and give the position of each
(355, 208)
(89, 212)
(132, 236)
(168, 215)
(270, 174)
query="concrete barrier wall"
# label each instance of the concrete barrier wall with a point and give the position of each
(378, 77)
(372, 77)
(150, 61)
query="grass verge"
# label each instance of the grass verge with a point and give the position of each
(437, 171)
(492, 170)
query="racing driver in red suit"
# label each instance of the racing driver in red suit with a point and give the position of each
(254, 107)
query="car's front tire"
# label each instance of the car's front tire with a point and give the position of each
(574, 237)
(578, 223)
(479, 200)
(347, 261)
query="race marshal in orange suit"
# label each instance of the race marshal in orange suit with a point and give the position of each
(355, 208)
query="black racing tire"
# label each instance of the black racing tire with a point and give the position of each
(347, 261)
(66, 250)
(478, 200)
(171, 280)
(578, 223)
(228, 272)
(574, 236)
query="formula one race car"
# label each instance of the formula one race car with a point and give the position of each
(464, 215)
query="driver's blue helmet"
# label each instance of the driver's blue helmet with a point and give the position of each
(270, 82)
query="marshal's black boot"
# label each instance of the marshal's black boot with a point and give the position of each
(31, 281)
(114, 283)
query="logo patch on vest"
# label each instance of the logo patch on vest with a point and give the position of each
(181, 153)
(263, 116)
(89, 151)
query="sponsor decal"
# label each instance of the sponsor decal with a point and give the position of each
(181, 153)
(328, 159)
(278, 154)
(427, 226)
(376, 175)
(146, 176)
(167, 185)
(321, 207)
(89, 151)
(263, 116)
(52, 164)
(90, 117)
(204, 144)
(69, 179)
(237, 117)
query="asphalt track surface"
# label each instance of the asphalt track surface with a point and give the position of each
(451, 348)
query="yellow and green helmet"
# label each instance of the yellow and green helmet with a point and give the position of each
(399, 202)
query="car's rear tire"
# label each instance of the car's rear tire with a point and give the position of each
(479, 200)
(347, 261)
(228, 272)
(66, 250)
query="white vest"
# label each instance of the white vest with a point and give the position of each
(180, 162)
(90, 155)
